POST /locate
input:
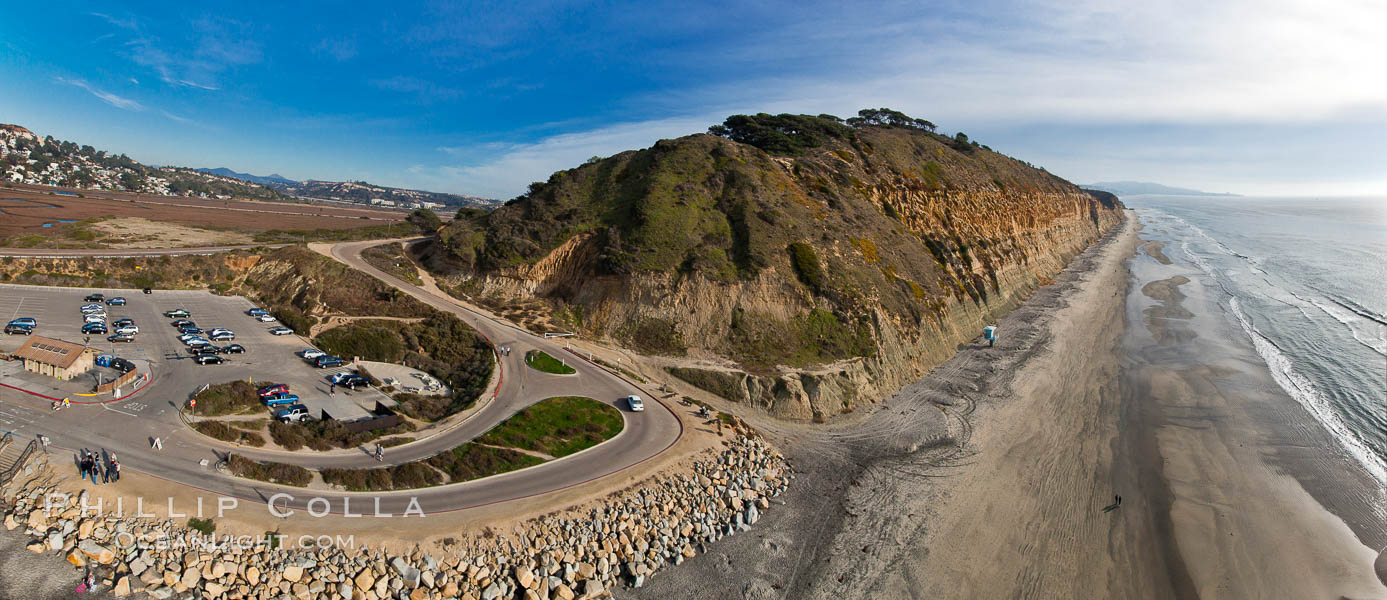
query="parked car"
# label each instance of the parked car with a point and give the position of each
(222, 336)
(233, 349)
(355, 381)
(183, 323)
(94, 298)
(197, 342)
(208, 349)
(635, 403)
(323, 362)
(120, 337)
(94, 328)
(257, 311)
(281, 331)
(265, 318)
(188, 329)
(18, 329)
(94, 319)
(127, 330)
(177, 313)
(25, 321)
(208, 359)
(95, 310)
(293, 414)
(122, 365)
(273, 389)
(117, 301)
(311, 353)
(280, 399)
(339, 377)
(123, 322)
(148, 291)
(93, 306)
(187, 336)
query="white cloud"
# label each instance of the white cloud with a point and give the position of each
(107, 97)
(512, 167)
(1264, 62)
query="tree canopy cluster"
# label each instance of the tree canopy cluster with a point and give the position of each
(783, 133)
(790, 134)
(885, 117)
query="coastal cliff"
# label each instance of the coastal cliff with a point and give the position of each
(802, 265)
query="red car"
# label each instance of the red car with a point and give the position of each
(271, 390)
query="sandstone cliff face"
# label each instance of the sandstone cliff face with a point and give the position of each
(914, 245)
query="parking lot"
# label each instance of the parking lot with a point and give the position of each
(156, 348)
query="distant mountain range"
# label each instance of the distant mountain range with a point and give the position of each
(358, 192)
(1146, 188)
(267, 179)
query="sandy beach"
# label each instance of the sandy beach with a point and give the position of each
(989, 478)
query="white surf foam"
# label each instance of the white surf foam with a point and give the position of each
(1308, 396)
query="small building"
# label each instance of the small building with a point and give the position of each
(55, 358)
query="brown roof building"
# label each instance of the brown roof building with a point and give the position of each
(55, 358)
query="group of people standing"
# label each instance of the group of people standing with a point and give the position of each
(92, 463)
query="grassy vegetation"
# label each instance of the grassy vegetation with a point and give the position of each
(391, 258)
(541, 361)
(463, 463)
(294, 319)
(441, 345)
(653, 336)
(204, 526)
(470, 461)
(721, 383)
(224, 431)
(230, 398)
(271, 472)
(807, 267)
(371, 342)
(759, 340)
(327, 435)
(557, 426)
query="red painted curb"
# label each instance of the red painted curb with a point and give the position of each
(47, 397)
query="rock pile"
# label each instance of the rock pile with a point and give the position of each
(622, 541)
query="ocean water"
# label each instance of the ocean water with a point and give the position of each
(1306, 281)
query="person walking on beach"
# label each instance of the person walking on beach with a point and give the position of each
(332, 390)
(115, 466)
(380, 453)
(84, 465)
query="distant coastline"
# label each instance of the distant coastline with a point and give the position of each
(1146, 188)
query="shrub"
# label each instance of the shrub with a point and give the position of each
(806, 264)
(271, 472)
(232, 397)
(368, 342)
(205, 526)
(293, 319)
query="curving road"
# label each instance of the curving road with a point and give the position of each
(646, 434)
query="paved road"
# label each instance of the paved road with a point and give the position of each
(127, 427)
(124, 252)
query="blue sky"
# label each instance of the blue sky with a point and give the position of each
(1279, 97)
